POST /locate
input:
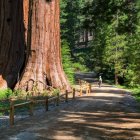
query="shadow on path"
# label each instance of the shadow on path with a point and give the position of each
(101, 116)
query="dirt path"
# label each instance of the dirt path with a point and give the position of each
(107, 114)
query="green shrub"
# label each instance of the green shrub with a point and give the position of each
(79, 67)
(67, 61)
(5, 93)
(136, 93)
(55, 92)
(19, 93)
(45, 93)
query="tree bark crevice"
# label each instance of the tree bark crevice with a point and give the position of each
(30, 44)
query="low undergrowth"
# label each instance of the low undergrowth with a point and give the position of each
(135, 91)
(5, 93)
(22, 96)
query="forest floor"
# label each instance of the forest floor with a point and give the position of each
(109, 113)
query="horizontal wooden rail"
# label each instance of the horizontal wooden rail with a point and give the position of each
(31, 101)
(22, 104)
(39, 101)
(61, 95)
(52, 98)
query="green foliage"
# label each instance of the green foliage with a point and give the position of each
(114, 52)
(78, 67)
(115, 48)
(45, 93)
(8, 93)
(71, 24)
(67, 61)
(55, 92)
(5, 93)
(136, 93)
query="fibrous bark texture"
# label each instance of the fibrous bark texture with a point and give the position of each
(32, 50)
(11, 41)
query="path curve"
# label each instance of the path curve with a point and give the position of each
(108, 113)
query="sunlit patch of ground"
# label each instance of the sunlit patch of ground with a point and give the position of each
(108, 113)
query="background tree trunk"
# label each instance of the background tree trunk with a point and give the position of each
(40, 58)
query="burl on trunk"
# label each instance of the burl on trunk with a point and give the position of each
(30, 44)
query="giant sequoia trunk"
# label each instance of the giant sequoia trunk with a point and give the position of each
(11, 41)
(30, 45)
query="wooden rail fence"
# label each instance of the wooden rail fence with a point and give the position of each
(84, 85)
(45, 100)
(32, 101)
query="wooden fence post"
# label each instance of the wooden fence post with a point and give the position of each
(73, 93)
(80, 83)
(11, 112)
(31, 107)
(47, 103)
(81, 92)
(57, 100)
(89, 88)
(66, 96)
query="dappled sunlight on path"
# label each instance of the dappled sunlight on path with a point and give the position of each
(108, 113)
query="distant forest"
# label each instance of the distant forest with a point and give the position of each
(102, 36)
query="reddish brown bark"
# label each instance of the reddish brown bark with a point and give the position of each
(11, 41)
(42, 61)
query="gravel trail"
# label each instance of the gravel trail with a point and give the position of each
(108, 113)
